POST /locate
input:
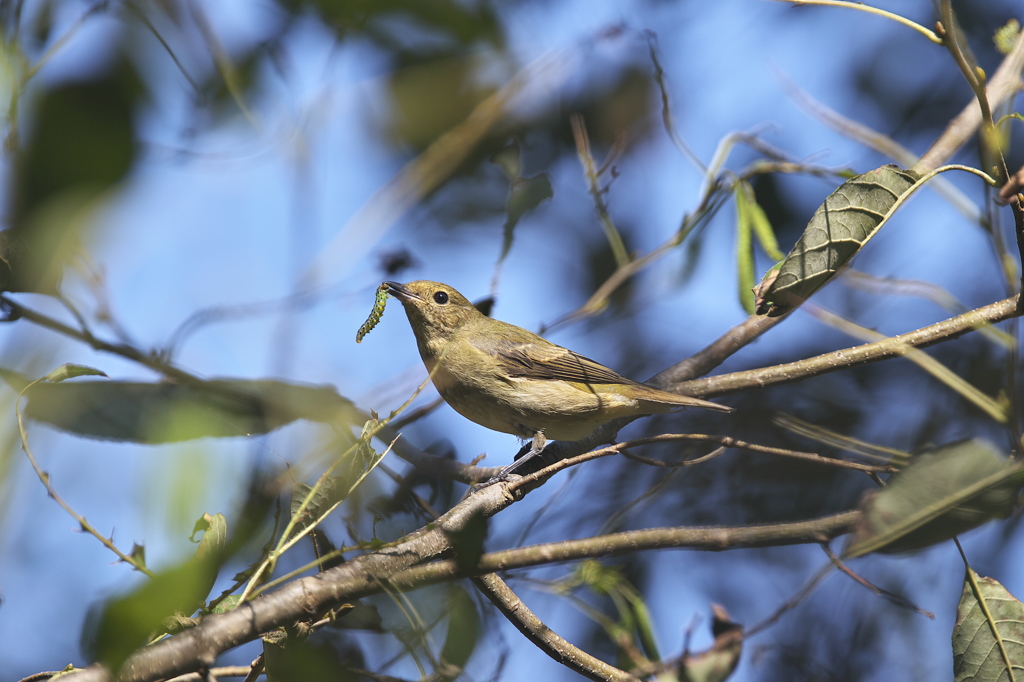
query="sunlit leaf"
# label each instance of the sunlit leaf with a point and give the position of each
(939, 495)
(751, 222)
(168, 412)
(841, 226)
(215, 535)
(989, 632)
(745, 267)
(1006, 36)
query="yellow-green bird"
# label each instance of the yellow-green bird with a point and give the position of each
(511, 380)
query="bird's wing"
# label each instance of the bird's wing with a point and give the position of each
(547, 361)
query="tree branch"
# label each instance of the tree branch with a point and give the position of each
(546, 639)
(393, 568)
(885, 349)
(1005, 82)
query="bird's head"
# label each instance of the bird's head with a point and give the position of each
(435, 310)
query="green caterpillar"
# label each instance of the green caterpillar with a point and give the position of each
(378, 309)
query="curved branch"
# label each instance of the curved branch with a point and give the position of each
(546, 639)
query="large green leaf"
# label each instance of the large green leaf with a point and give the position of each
(169, 412)
(988, 638)
(840, 227)
(939, 495)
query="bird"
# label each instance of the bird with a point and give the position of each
(510, 380)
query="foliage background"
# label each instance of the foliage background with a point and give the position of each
(194, 186)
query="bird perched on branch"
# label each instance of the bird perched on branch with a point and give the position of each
(511, 380)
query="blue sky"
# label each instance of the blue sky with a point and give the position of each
(237, 214)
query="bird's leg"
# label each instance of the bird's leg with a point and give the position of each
(537, 446)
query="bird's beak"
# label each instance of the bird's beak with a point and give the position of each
(400, 292)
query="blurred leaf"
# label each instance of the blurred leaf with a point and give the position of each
(468, 542)
(939, 495)
(430, 98)
(125, 623)
(397, 260)
(70, 371)
(391, 22)
(295, 658)
(1006, 36)
(360, 616)
(168, 412)
(642, 625)
(82, 143)
(718, 662)
(841, 226)
(462, 635)
(524, 193)
(989, 630)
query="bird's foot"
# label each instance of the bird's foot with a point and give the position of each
(537, 446)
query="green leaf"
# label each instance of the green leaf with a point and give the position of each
(126, 623)
(325, 497)
(524, 193)
(70, 371)
(168, 412)
(988, 637)
(641, 617)
(763, 229)
(939, 495)
(841, 226)
(463, 631)
(228, 603)
(215, 535)
(1006, 36)
(82, 142)
(745, 267)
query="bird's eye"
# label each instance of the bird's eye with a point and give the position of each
(440, 297)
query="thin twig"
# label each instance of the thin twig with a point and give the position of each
(790, 603)
(730, 442)
(877, 591)
(44, 478)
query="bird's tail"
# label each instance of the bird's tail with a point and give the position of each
(654, 395)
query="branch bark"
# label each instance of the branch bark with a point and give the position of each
(546, 639)
(307, 598)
